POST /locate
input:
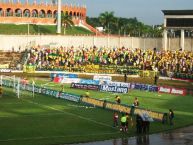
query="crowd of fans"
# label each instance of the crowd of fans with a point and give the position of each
(151, 59)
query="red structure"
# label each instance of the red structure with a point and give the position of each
(21, 13)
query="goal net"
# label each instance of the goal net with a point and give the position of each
(20, 86)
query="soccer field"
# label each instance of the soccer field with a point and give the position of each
(46, 120)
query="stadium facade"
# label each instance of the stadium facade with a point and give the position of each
(38, 13)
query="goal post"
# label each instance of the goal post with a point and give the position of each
(18, 88)
(8, 81)
(19, 85)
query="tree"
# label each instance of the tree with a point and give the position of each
(116, 25)
(125, 26)
(66, 21)
(107, 19)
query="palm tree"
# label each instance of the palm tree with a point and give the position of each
(129, 28)
(116, 25)
(107, 19)
(66, 21)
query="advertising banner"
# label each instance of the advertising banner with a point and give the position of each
(5, 70)
(146, 87)
(93, 101)
(85, 86)
(29, 68)
(155, 115)
(118, 107)
(86, 81)
(61, 75)
(103, 78)
(70, 80)
(70, 97)
(119, 84)
(57, 79)
(147, 73)
(164, 90)
(171, 90)
(116, 89)
(91, 68)
(4, 66)
(178, 91)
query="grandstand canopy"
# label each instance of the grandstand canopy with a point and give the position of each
(177, 12)
(178, 18)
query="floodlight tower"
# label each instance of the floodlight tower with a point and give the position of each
(59, 18)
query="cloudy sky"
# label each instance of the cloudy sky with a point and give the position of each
(147, 11)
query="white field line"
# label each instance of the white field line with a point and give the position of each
(68, 113)
(48, 84)
(107, 98)
(52, 137)
(19, 103)
(30, 115)
(79, 106)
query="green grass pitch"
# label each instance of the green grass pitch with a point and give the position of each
(46, 120)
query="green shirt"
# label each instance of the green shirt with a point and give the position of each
(123, 119)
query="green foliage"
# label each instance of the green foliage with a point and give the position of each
(107, 19)
(12, 29)
(66, 22)
(78, 31)
(125, 26)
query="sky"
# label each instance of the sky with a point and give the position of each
(146, 11)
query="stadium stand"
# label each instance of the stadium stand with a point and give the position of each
(74, 59)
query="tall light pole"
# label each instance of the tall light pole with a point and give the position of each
(59, 18)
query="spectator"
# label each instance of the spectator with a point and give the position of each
(155, 79)
(162, 61)
(125, 77)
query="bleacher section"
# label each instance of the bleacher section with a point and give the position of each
(10, 59)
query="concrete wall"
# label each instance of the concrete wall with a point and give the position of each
(7, 42)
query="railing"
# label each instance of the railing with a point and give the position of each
(183, 76)
(109, 69)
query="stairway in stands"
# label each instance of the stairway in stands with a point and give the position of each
(94, 30)
(84, 24)
(11, 59)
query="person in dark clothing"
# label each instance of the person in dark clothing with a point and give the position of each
(115, 119)
(138, 124)
(125, 77)
(171, 116)
(155, 79)
(104, 104)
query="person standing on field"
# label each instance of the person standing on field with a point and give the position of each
(136, 102)
(123, 123)
(171, 116)
(1, 91)
(118, 99)
(115, 119)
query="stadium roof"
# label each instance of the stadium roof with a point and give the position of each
(177, 12)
